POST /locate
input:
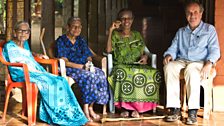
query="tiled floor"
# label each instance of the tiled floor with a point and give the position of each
(14, 118)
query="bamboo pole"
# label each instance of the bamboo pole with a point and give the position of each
(41, 41)
(130, 119)
(42, 44)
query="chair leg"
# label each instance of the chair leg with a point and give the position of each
(207, 102)
(24, 103)
(111, 102)
(6, 103)
(34, 103)
(154, 110)
(183, 95)
(185, 99)
(29, 104)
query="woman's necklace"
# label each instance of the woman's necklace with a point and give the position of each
(126, 34)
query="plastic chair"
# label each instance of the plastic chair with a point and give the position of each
(98, 61)
(152, 57)
(29, 90)
(207, 86)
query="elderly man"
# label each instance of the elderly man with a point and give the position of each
(195, 48)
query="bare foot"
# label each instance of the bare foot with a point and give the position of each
(135, 114)
(125, 114)
(104, 109)
(93, 114)
(86, 112)
(104, 113)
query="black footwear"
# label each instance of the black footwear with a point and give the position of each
(174, 115)
(192, 117)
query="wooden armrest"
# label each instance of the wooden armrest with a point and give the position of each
(52, 62)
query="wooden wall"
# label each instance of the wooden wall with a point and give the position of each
(48, 21)
(97, 16)
(219, 17)
(219, 80)
(14, 13)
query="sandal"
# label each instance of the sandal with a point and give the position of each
(135, 114)
(125, 114)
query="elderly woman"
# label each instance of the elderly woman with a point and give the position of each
(58, 105)
(74, 50)
(135, 85)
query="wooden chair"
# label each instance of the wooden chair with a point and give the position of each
(153, 59)
(207, 86)
(29, 89)
(98, 61)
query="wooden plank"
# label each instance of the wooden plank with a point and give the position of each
(67, 13)
(93, 24)
(83, 15)
(10, 18)
(27, 15)
(48, 21)
(102, 39)
(124, 3)
(27, 11)
(108, 15)
(119, 3)
(114, 9)
(14, 12)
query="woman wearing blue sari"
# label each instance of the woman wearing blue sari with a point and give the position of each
(58, 105)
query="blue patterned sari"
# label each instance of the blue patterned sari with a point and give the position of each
(58, 105)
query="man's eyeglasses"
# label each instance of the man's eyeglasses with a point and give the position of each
(126, 18)
(23, 31)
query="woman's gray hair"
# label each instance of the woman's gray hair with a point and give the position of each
(19, 23)
(71, 19)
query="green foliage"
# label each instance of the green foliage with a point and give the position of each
(59, 1)
(4, 1)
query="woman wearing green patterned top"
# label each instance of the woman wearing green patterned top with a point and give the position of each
(134, 82)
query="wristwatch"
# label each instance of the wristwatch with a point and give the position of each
(211, 62)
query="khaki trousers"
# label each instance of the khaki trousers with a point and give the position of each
(192, 79)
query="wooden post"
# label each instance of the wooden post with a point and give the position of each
(83, 14)
(27, 14)
(48, 21)
(67, 12)
(93, 25)
(102, 38)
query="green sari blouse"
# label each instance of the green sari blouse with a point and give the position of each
(127, 50)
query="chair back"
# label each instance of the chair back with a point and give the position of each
(3, 61)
